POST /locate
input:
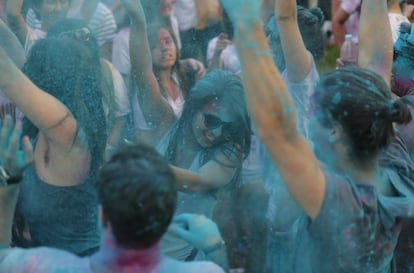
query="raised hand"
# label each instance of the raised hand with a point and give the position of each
(194, 66)
(14, 159)
(222, 43)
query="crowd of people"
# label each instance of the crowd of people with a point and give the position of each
(200, 136)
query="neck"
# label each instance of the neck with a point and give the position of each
(118, 258)
(164, 75)
(363, 176)
(361, 173)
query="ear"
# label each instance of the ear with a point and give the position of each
(336, 133)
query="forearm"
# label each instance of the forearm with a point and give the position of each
(116, 131)
(375, 43)
(215, 62)
(266, 11)
(8, 200)
(35, 103)
(141, 62)
(268, 98)
(187, 181)
(154, 106)
(339, 32)
(11, 45)
(15, 19)
(297, 59)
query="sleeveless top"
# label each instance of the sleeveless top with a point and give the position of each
(197, 203)
(61, 217)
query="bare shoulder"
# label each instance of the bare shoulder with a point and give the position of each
(40, 259)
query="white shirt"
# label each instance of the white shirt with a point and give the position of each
(33, 34)
(186, 14)
(395, 21)
(102, 23)
(228, 56)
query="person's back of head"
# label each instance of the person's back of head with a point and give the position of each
(136, 189)
(67, 69)
(359, 101)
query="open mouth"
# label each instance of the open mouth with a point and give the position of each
(167, 56)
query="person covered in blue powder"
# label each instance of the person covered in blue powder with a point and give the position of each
(353, 207)
(206, 145)
(137, 193)
(60, 96)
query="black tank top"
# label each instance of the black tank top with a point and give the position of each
(61, 217)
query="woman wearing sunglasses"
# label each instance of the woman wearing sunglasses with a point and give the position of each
(206, 145)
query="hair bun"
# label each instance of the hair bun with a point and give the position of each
(399, 111)
(318, 13)
(405, 27)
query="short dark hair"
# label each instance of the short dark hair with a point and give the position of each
(136, 189)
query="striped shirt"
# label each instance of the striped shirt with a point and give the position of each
(102, 23)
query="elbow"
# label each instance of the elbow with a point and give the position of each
(285, 132)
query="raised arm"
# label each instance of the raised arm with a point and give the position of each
(155, 107)
(15, 19)
(11, 45)
(37, 105)
(272, 109)
(297, 58)
(339, 17)
(375, 38)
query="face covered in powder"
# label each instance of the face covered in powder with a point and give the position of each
(212, 124)
(164, 50)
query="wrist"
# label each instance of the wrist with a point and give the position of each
(219, 245)
(247, 25)
(9, 179)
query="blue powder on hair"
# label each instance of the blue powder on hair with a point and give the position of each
(337, 98)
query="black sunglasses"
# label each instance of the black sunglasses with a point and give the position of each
(212, 122)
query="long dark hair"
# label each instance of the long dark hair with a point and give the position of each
(222, 86)
(67, 70)
(152, 31)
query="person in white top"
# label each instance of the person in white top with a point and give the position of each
(99, 17)
(121, 60)
(396, 17)
(100, 20)
(50, 12)
(221, 52)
